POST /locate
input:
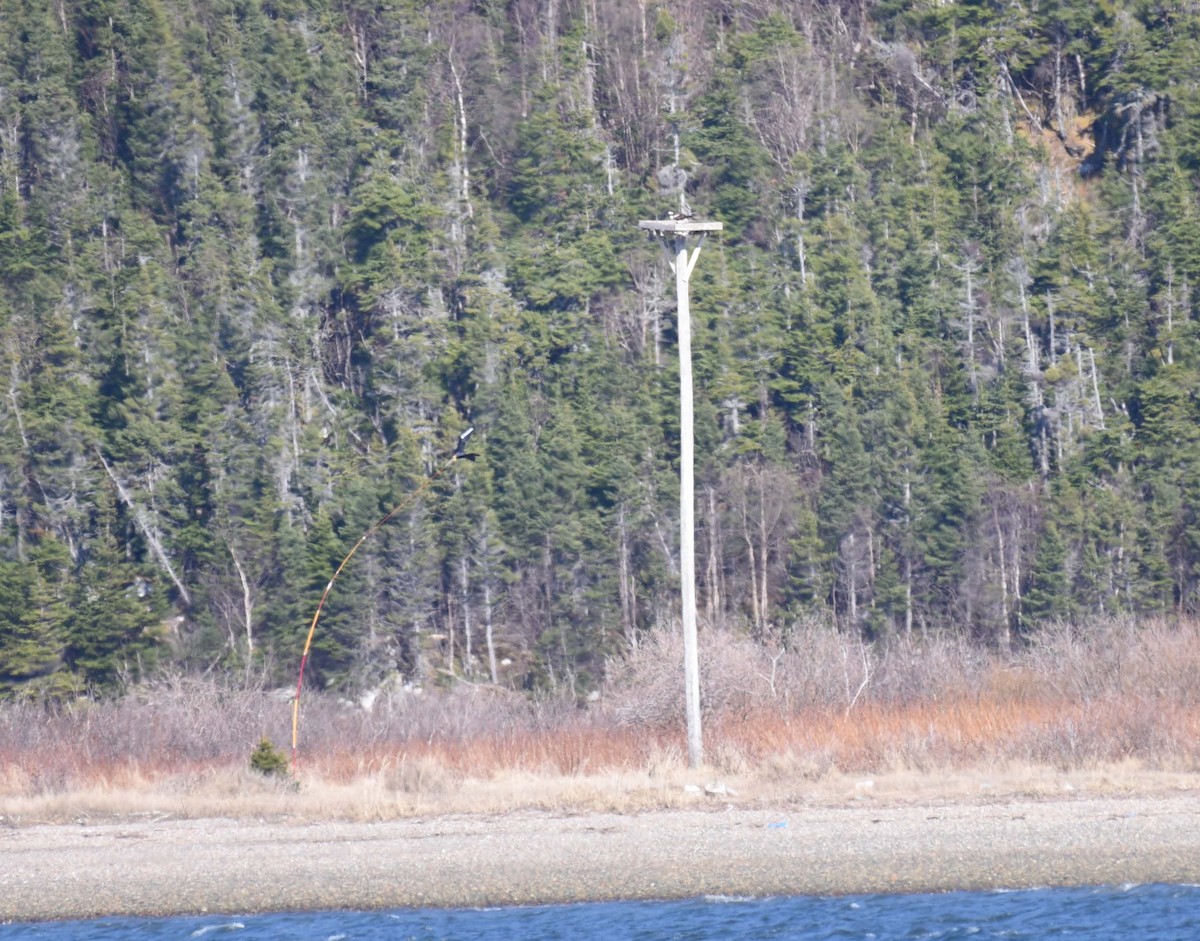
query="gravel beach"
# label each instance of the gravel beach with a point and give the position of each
(167, 866)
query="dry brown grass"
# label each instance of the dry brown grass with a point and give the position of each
(818, 717)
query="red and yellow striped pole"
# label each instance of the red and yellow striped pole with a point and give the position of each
(312, 628)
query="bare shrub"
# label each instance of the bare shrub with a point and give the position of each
(793, 709)
(738, 676)
(814, 666)
(1165, 660)
(1079, 663)
(726, 757)
(1118, 655)
(1060, 743)
(420, 776)
(938, 666)
(789, 766)
(819, 667)
(176, 719)
(646, 688)
(661, 760)
(734, 675)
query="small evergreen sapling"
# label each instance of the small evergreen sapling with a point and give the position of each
(268, 760)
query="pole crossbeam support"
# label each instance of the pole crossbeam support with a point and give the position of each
(678, 226)
(674, 234)
(687, 275)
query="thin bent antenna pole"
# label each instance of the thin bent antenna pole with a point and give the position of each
(312, 628)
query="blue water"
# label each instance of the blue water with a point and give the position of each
(1146, 913)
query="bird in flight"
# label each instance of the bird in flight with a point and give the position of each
(460, 452)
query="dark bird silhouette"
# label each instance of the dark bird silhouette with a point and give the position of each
(460, 451)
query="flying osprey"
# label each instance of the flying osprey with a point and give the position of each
(681, 216)
(460, 451)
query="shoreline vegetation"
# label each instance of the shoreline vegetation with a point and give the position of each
(822, 719)
(832, 767)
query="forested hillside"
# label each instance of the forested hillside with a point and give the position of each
(264, 260)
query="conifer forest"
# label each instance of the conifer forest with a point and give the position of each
(265, 260)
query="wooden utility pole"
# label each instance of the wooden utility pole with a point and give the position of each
(674, 234)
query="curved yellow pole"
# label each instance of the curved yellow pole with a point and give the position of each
(312, 628)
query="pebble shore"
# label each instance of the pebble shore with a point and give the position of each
(170, 867)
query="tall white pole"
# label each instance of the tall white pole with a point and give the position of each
(678, 230)
(687, 509)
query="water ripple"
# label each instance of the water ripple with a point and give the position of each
(1145, 912)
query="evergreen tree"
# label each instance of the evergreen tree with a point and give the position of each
(33, 625)
(264, 261)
